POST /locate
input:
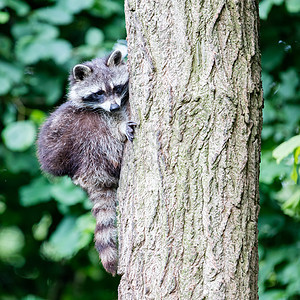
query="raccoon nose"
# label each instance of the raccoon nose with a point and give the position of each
(114, 107)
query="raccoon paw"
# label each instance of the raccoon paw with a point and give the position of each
(130, 130)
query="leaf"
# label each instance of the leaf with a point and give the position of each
(6, 47)
(37, 116)
(264, 9)
(9, 115)
(273, 295)
(67, 193)
(38, 191)
(290, 273)
(286, 148)
(86, 225)
(106, 9)
(17, 162)
(5, 85)
(70, 236)
(270, 170)
(289, 83)
(293, 6)
(94, 37)
(10, 71)
(269, 224)
(291, 113)
(289, 198)
(59, 51)
(4, 17)
(50, 87)
(2, 207)
(294, 174)
(38, 30)
(19, 6)
(9, 75)
(30, 50)
(75, 6)
(64, 242)
(291, 206)
(12, 242)
(40, 230)
(54, 15)
(296, 155)
(19, 136)
(273, 258)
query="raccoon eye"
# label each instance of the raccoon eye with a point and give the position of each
(118, 89)
(100, 93)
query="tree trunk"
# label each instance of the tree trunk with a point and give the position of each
(188, 196)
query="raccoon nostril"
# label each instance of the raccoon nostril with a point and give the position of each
(114, 107)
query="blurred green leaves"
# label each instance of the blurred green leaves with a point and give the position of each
(42, 190)
(289, 195)
(4, 17)
(10, 74)
(41, 229)
(71, 235)
(38, 191)
(286, 148)
(54, 15)
(279, 178)
(265, 6)
(40, 41)
(293, 6)
(94, 37)
(19, 6)
(12, 242)
(19, 136)
(46, 221)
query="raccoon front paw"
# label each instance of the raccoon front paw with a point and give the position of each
(130, 125)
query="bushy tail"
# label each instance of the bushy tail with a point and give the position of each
(104, 210)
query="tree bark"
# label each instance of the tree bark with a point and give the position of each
(188, 195)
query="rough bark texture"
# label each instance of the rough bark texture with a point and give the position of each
(188, 196)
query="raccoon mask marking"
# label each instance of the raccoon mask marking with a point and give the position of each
(84, 139)
(100, 84)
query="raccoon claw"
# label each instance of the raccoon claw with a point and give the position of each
(130, 130)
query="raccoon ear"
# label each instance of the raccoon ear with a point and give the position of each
(114, 59)
(81, 71)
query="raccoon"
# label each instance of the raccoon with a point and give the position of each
(84, 139)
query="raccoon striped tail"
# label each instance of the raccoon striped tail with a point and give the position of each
(104, 210)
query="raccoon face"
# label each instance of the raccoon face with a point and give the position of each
(100, 83)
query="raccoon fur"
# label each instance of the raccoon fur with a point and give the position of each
(84, 139)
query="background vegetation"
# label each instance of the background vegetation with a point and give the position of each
(46, 230)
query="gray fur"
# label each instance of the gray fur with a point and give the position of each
(84, 139)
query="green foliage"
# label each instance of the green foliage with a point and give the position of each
(279, 184)
(289, 195)
(46, 232)
(19, 136)
(286, 148)
(72, 235)
(11, 243)
(46, 248)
